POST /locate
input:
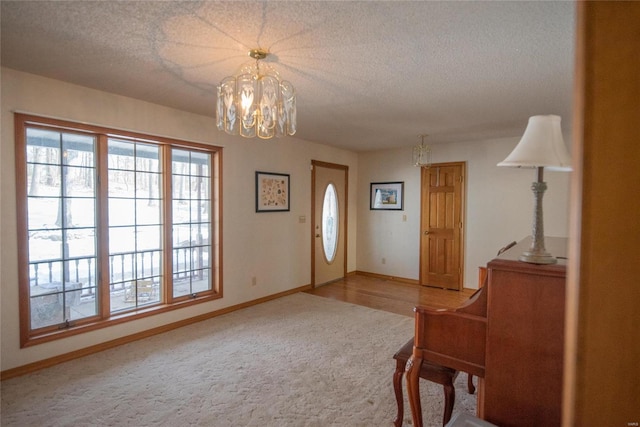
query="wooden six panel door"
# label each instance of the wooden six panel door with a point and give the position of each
(441, 239)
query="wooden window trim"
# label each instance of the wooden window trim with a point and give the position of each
(104, 318)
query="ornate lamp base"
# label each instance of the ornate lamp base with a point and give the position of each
(537, 254)
(534, 258)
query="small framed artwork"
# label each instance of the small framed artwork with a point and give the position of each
(272, 192)
(387, 196)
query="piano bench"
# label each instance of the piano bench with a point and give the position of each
(430, 372)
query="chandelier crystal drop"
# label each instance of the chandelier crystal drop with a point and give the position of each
(422, 154)
(256, 102)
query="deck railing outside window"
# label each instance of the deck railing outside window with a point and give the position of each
(112, 224)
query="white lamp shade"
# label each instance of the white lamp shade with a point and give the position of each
(541, 146)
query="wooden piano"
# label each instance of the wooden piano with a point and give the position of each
(510, 334)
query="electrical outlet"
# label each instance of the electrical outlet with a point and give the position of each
(254, 281)
(384, 260)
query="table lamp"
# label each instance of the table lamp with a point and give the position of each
(541, 147)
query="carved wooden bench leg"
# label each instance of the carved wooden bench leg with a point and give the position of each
(472, 388)
(430, 372)
(414, 365)
(449, 399)
(397, 387)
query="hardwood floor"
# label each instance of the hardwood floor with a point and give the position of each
(389, 295)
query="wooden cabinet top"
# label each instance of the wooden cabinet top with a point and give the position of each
(556, 246)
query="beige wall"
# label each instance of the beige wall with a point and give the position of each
(499, 206)
(274, 247)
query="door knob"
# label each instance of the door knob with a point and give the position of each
(317, 235)
(427, 232)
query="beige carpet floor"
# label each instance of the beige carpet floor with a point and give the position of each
(300, 360)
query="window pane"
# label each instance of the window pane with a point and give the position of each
(43, 213)
(330, 223)
(148, 157)
(181, 235)
(199, 211)
(61, 209)
(81, 243)
(147, 185)
(148, 237)
(78, 181)
(197, 186)
(83, 212)
(200, 234)
(148, 211)
(181, 211)
(149, 264)
(121, 155)
(45, 245)
(79, 301)
(43, 180)
(191, 239)
(143, 289)
(43, 146)
(180, 161)
(200, 282)
(59, 303)
(202, 162)
(78, 150)
(122, 240)
(121, 269)
(135, 224)
(42, 274)
(46, 310)
(82, 288)
(121, 183)
(122, 211)
(181, 188)
(137, 293)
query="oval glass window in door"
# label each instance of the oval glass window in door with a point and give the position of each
(330, 223)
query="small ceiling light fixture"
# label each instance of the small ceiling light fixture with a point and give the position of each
(541, 147)
(422, 154)
(256, 102)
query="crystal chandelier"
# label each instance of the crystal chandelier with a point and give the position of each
(256, 102)
(422, 154)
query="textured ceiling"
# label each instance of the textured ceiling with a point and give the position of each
(368, 75)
